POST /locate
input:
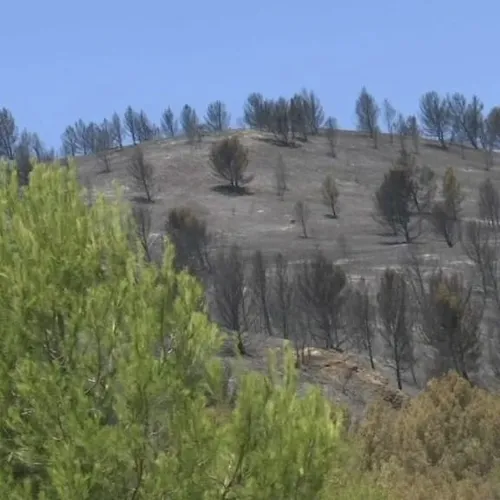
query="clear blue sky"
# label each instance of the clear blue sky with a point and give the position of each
(62, 61)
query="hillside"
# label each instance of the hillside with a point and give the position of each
(262, 221)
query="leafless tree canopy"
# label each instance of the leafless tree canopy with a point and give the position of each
(169, 123)
(436, 117)
(467, 118)
(230, 296)
(321, 287)
(24, 165)
(257, 112)
(330, 194)
(260, 291)
(389, 118)
(331, 133)
(453, 329)
(143, 173)
(445, 215)
(362, 316)
(130, 124)
(8, 134)
(142, 225)
(302, 213)
(190, 123)
(217, 117)
(395, 315)
(189, 234)
(394, 202)
(367, 112)
(117, 130)
(489, 203)
(229, 162)
(281, 177)
(282, 296)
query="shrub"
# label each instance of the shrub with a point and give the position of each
(445, 443)
(229, 159)
(191, 239)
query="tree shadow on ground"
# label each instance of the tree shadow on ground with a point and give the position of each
(142, 199)
(229, 190)
(295, 144)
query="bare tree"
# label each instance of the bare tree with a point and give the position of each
(24, 165)
(143, 173)
(393, 310)
(229, 161)
(456, 330)
(376, 137)
(436, 117)
(257, 112)
(189, 234)
(281, 125)
(280, 174)
(446, 213)
(282, 295)
(389, 118)
(260, 289)
(230, 298)
(142, 223)
(330, 194)
(117, 130)
(481, 244)
(313, 111)
(489, 203)
(104, 143)
(302, 213)
(363, 319)
(402, 131)
(487, 138)
(69, 139)
(467, 117)
(41, 152)
(332, 135)
(299, 119)
(8, 134)
(130, 124)
(146, 129)
(217, 117)
(321, 295)
(169, 124)
(493, 125)
(414, 132)
(190, 123)
(394, 203)
(367, 112)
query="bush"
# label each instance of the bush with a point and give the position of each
(443, 444)
(107, 369)
(191, 239)
(229, 159)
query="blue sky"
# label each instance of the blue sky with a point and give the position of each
(63, 61)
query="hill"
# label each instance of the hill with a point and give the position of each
(262, 221)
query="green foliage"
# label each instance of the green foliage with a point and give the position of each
(109, 387)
